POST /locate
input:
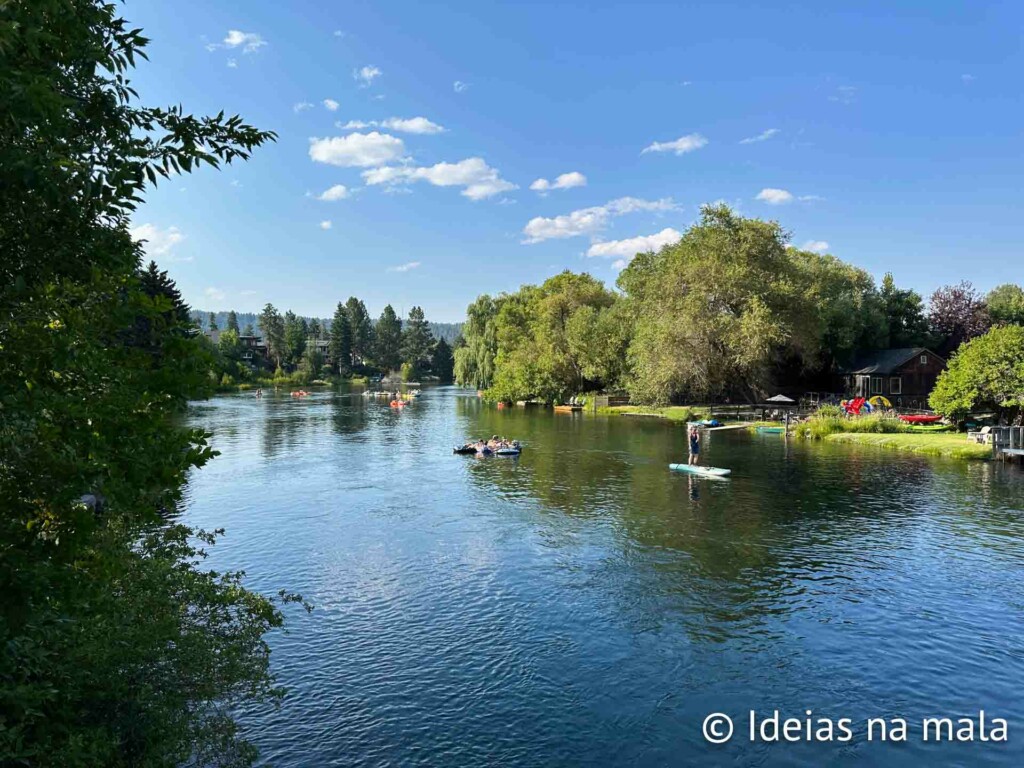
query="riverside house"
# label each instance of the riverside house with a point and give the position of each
(905, 376)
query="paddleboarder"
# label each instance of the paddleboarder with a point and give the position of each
(694, 446)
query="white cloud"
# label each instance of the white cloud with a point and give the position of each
(249, 42)
(634, 245)
(366, 75)
(301, 106)
(761, 136)
(247, 293)
(158, 242)
(588, 221)
(460, 86)
(236, 183)
(331, 105)
(774, 196)
(565, 181)
(967, 78)
(680, 146)
(404, 267)
(621, 263)
(215, 294)
(326, 224)
(339, 33)
(818, 246)
(412, 125)
(845, 94)
(420, 125)
(232, 63)
(809, 198)
(479, 180)
(357, 149)
(337, 192)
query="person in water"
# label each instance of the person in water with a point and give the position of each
(694, 446)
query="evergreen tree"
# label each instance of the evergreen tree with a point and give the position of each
(233, 321)
(442, 362)
(417, 342)
(361, 327)
(388, 340)
(904, 315)
(212, 322)
(272, 328)
(249, 330)
(315, 329)
(154, 283)
(341, 341)
(295, 334)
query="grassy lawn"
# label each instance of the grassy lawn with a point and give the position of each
(671, 412)
(951, 445)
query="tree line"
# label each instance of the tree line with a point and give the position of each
(731, 310)
(350, 343)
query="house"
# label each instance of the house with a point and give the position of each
(905, 376)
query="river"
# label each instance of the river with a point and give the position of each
(582, 605)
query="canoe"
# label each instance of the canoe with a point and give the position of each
(696, 469)
(771, 430)
(568, 408)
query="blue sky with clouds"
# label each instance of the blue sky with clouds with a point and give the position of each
(430, 152)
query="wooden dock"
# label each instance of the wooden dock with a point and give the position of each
(1007, 442)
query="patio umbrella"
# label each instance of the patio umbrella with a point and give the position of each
(780, 399)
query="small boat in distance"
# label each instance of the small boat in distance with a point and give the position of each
(697, 469)
(568, 408)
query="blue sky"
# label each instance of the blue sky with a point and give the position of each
(892, 132)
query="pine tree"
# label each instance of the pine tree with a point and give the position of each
(388, 340)
(341, 341)
(416, 341)
(272, 328)
(295, 333)
(212, 322)
(442, 361)
(315, 329)
(233, 321)
(362, 329)
(249, 330)
(155, 282)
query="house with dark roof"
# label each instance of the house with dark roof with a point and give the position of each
(905, 376)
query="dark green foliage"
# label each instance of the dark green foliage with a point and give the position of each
(387, 347)
(295, 335)
(232, 322)
(119, 649)
(341, 341)
(272, 329)
(442, 362)
(361, 328)
(905, 321)
(417, 342)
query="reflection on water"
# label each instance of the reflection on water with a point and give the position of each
(581, 605)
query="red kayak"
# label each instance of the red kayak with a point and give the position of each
(921, 418)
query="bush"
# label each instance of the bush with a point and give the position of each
(822, 425)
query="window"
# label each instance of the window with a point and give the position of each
(876, 385)
(895, 386)
(924, 359)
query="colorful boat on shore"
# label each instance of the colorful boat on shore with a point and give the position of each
(920, 418)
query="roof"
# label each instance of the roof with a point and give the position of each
(885, 360)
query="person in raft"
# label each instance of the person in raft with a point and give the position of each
(694, 446)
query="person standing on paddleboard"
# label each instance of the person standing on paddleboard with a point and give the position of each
(694, 446)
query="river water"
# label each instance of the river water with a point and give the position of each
(582, 605)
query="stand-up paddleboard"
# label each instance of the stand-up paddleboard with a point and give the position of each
(696, 469)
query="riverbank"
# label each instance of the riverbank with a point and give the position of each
(671, 412)
(950, 445)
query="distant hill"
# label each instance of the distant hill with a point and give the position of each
(446, 331)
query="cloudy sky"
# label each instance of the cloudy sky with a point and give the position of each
(431, 152)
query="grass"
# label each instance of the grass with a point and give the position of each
(671, 412)
(950, 445)
(821, 426)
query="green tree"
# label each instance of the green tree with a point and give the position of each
(442, 362)
(233, 321)
(417, 342)
(388, 340)
(986, 372)
(474, 357)
(272, 328)
(119, 649)
(230, 350)
(361, 328)
(316, 331)
(905, 319)
(713, 312)
(211, 323)
(156, 284)
(1006, 304)
(341, 341)
(248, 330)
(295, 335)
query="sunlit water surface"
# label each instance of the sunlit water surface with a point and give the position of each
(582, 605)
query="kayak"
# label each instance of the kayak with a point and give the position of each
(921, 418)
(771, 430)
(696, 469)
